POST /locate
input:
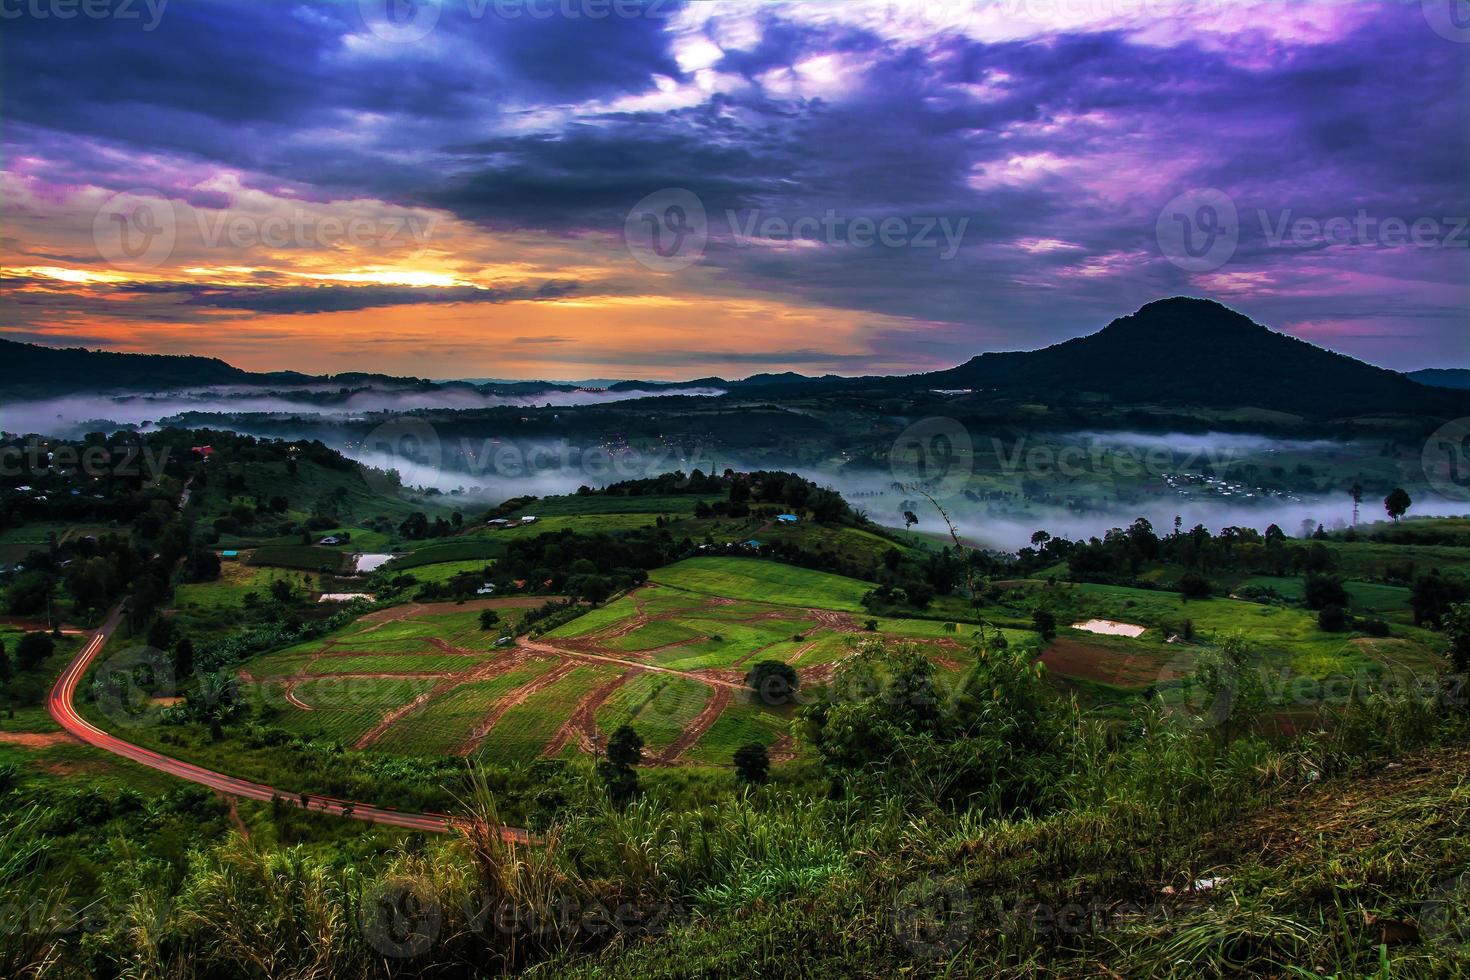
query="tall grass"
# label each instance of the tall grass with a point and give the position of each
(35, 915)
(776, 882)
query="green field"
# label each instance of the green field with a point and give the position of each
(445, 571)
(444, 724)
(741, 723)
(234, 581)
(659, 706)
(459, 550)
(764, 581)
(524, 731)
(303, 556)
(1367, 598)
(342, 708)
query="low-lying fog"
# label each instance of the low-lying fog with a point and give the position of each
(72, 415)
(515, 468)
(485, 472)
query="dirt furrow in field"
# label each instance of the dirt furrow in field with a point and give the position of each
(444, 646)
(377, 731)
(783, 749)
(444, 686)
(291, 697)
(526, 643)
(839, 622)
(582, 725)
(510, 700)
(713, 708)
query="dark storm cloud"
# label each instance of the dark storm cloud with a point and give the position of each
(185, 301)
(1071, 139)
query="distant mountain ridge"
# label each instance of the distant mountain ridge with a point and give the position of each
(1458, 378)
(1180, 351)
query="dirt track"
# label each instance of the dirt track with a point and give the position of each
(504, 704)
(582, 725)
(713, 708)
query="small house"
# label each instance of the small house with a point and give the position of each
(330, 539)
(485, 589)
(498, 522)
(528, 520)
(786, 518)
(229, 555)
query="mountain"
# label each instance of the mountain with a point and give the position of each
(1185, 351)
(763, 380)
(1458, 378)
(1176, 352)
(34, 372)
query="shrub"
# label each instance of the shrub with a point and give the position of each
(773, 681)
(1193, 585)
(1332, 619)
(752, 763)
(1373, 627)
(1322, 591)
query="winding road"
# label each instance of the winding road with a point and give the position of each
(62, 708)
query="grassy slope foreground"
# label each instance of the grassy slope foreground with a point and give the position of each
(934, 807)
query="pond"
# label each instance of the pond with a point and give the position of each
(368, 563)
(1109, 627)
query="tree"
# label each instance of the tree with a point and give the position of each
(183, 657)
(1456, 626)
(1193, 585)
(1332, 619)
(1233, 693)
(910, 519)
(621, 781)
(624, 751)
(33, 649)
(281, 590)
(1356, 492)
(1045, 624)
(1397, 503)
(4, 663)
(1434, 594)
(162, 633)
(625, 747)
(27, 593)
(1321, 591)
(488, 619)
(414, 526)
(752, 763)
(773, 681)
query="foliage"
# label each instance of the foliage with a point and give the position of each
(752, 763)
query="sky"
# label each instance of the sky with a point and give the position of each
(610, 188)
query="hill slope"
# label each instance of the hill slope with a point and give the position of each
(36, 371)
(1194, 351)
(1442, 377)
